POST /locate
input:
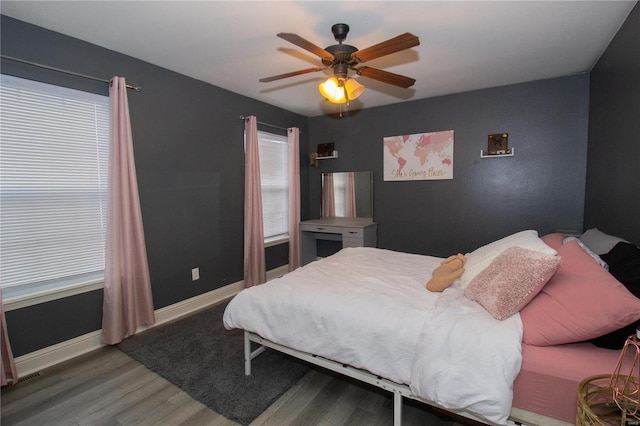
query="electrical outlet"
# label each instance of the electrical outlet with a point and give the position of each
(195, 274)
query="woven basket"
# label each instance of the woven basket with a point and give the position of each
(596, 405)
(625, 381)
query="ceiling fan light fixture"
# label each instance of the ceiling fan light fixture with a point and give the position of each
(333, 90)
(341, 58)
(339, 91)
(354, 89)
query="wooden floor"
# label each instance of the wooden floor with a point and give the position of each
(106, 387)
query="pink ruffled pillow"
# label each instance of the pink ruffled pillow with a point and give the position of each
(581, 302)
(512, 280)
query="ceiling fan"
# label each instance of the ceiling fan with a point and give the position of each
(343, 57)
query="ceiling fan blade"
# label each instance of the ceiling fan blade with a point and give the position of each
(290, 74)
(305, 44)
(396, 44)
(386, 77)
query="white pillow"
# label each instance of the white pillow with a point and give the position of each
(599, 242)
(587, 250)
(483, 256)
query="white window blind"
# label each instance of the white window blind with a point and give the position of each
(54, 146)
(274, 180)
(340, 192)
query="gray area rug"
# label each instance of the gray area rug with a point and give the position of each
(201, 357)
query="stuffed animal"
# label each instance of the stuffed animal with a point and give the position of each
(449, 270)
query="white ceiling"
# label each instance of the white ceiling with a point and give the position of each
(463, 45)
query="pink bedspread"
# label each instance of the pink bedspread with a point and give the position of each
(549, 378)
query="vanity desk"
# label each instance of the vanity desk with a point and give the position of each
(353, 232)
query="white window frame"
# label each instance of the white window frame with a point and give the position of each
(92, 108)
(279, 163)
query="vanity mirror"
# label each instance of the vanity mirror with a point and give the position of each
(347, 194)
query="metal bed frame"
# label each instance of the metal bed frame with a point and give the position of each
(398, 390)
(519, 417)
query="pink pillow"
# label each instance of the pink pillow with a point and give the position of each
(582, 301)
(554, 240)
(512, 280)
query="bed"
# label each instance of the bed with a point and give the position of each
(365, 313)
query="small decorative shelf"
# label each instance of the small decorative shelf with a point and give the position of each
(328, 157)
(483, 154)
(313, 157)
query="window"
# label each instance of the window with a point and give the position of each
(53, 186)
(274, 180)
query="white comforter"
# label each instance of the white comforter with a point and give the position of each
(369, 308)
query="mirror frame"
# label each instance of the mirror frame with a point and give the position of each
(363, 193)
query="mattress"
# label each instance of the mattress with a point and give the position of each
(365, 320)
(550, 375)
(368, 308)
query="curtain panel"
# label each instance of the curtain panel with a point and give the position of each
(328, 198)
(128, 301)
(293, 140)
(254, 257)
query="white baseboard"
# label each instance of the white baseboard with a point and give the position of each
(278, 272)
(36, 361)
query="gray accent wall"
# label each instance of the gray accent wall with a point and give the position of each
(541, 187)
(189, 159)
(188, 145)
(612, 200)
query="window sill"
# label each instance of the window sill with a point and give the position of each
(18, 298)
(275, 241)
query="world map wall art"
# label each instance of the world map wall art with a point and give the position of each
(423, 156)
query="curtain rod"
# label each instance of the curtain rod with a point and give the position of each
(242, 117)
(47, 67)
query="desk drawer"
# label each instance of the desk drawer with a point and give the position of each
(327, 229)
(353, 233)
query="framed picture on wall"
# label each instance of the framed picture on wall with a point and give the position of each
(421, 156)
(498, 143)
(326, 149)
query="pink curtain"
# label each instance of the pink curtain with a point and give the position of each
(293, 136)
(350, 195)
(328, 199)
(127, 287)
(9, 373)
(254, 259)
